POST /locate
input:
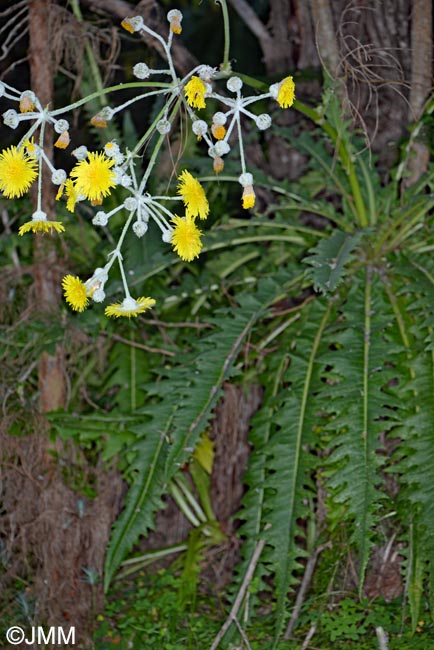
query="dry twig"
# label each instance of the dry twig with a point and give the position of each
(232, 618)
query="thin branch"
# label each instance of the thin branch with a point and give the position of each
(139, 346)
(307, 577)
(240, 596)
(383, 642)
(309, 636)
(155, 321)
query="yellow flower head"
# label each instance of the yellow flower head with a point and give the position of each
(286, 93)
(129, 307)
(186, 238)
(193, 195)
(93, 177)
(71, 194)
(248, 197)
(17, 172)
(41, 225)
(75, 292)
(195, 91)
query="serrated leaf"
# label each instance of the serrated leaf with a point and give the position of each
(329, 258)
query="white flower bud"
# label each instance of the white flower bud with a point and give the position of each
(219, 118)
(39, 215)
(163, 127)
(100, 219)
(58, 176)
(130, 203)
(111, 149)
(199, 127)
(126, 181)
(212, 152)
(263, 121)
(274, 90)
(80, 153)
(234, 84)
(174, 14)
(61, 125)
(221, 148)
(118, 158)
(136, 23)
(140, 228)
(29, 96)
(206, 72)
(118, 173)
(141, 71)
(100, 275)
(106, 113)
(246, 179)
(10, 118)
(98, 295)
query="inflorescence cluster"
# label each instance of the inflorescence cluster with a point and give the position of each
(96, 174)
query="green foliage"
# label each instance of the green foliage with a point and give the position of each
(169, 435)
(335, 322)
(346, 369)
(329, 258)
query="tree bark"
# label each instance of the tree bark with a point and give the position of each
(51, 370)
(325, 35)
(421, 81)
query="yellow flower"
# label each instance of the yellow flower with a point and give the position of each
(41, 226)
(186, 238)
(94, 177)
(248, 197)
(129, 307)
(195, 92)
(71, 193)
(75, 292)
(193, 195)
(17, 172)
(286, 94)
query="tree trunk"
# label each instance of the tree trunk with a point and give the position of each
(51, 370)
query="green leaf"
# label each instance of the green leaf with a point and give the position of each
(169, 436)
(329, 258)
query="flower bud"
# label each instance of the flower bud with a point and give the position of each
(263, 121)
(61, 125)
(140, 228)
(234, 84)
(100, 219)
(141, 71)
